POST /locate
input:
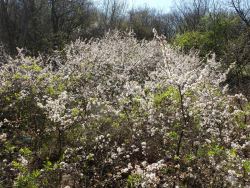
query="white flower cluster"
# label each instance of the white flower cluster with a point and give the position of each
(3, 136)
(148, 173)
(23, 161)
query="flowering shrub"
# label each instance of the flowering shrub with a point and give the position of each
(119, 112)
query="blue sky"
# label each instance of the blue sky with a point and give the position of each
(161, 5)
(158, 4)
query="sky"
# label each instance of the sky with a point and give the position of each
(164, 5)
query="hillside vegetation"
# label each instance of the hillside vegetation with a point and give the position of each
(118, 112)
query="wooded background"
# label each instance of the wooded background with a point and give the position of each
(45, 25)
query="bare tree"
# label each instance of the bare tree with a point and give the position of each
(242, 7)
(188, 13)
(113, 12)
